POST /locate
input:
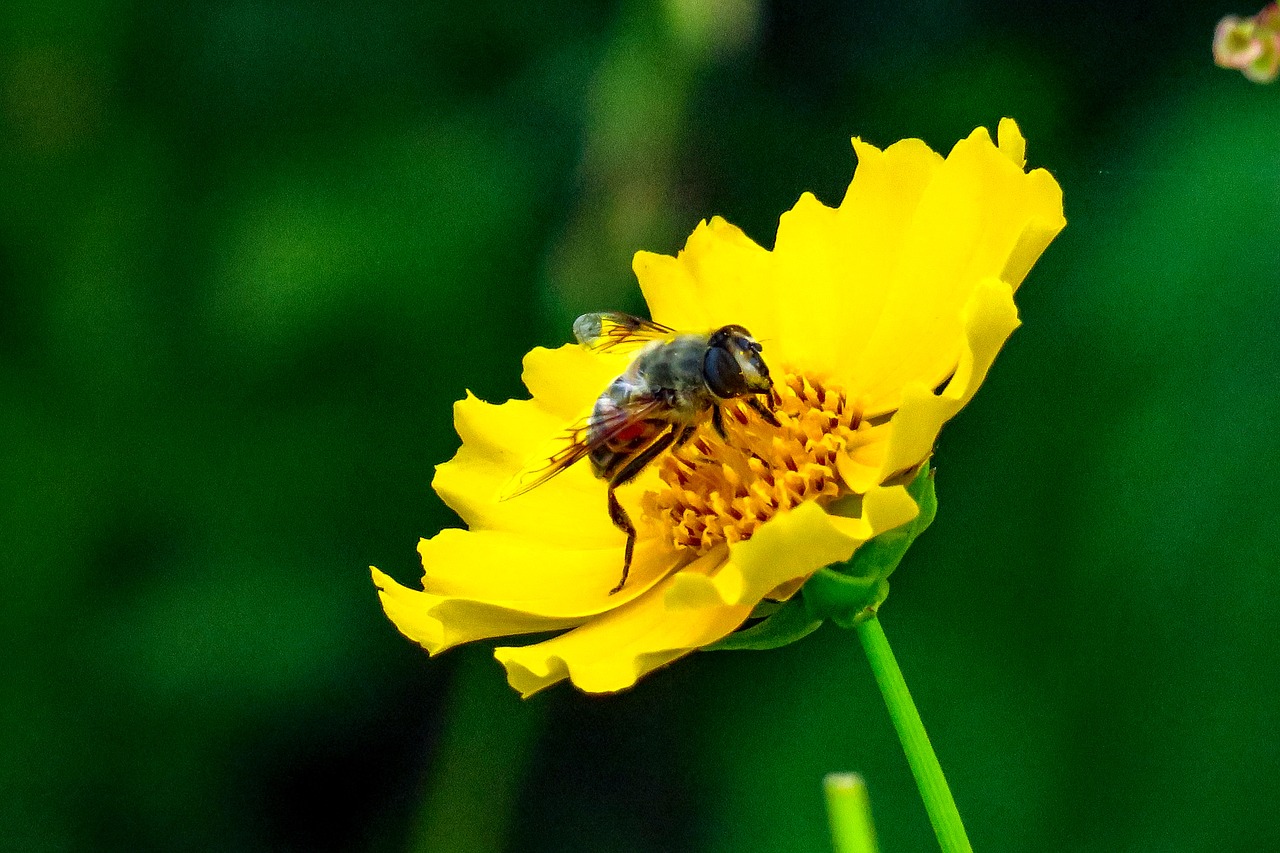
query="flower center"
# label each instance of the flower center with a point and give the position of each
(720, 491)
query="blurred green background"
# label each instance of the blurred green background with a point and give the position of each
(251, 251)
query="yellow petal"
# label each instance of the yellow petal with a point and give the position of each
(546, 579)
(542, 579)
(501, 441)
(792, 545)
(437, 623)
(860, 466)
(988, 319)
(1044, 221)
(979, 216)
(613, 650)
(883, 508)
(834, 263)
(1011, 142)
(566, 381)
(815, 255)
(491, 584)
(720, 277)
(497, 441)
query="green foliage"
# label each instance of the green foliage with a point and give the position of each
(251, 251)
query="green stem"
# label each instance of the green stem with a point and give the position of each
(850, 813)
(915, 743)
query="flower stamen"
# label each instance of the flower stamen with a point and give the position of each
(720, 491)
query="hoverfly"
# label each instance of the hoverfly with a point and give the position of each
(674, 383)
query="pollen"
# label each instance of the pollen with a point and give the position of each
(720, 491)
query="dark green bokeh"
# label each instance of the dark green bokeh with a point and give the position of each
(251, 251)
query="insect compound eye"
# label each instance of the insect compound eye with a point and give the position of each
(722, 373)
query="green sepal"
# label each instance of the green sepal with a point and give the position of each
(843, 599)
(847, 593)
(789, 622)
(766, 607)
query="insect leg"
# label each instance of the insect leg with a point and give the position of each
(622, 521)
(717, 421)
(637, 463)
(761, 409)
(627, 473)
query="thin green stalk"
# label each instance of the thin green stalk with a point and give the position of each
(850, 813)
(915, 743)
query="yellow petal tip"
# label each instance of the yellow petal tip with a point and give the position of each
(1011, 142)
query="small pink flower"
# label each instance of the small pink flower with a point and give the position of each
(1251, 45)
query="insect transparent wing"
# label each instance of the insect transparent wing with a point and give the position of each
(578, 442)
(608, 330)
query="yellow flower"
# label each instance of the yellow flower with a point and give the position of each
(879, 319)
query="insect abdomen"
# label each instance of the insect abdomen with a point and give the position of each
(612, 454)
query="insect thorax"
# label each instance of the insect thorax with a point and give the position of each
(674, 367)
